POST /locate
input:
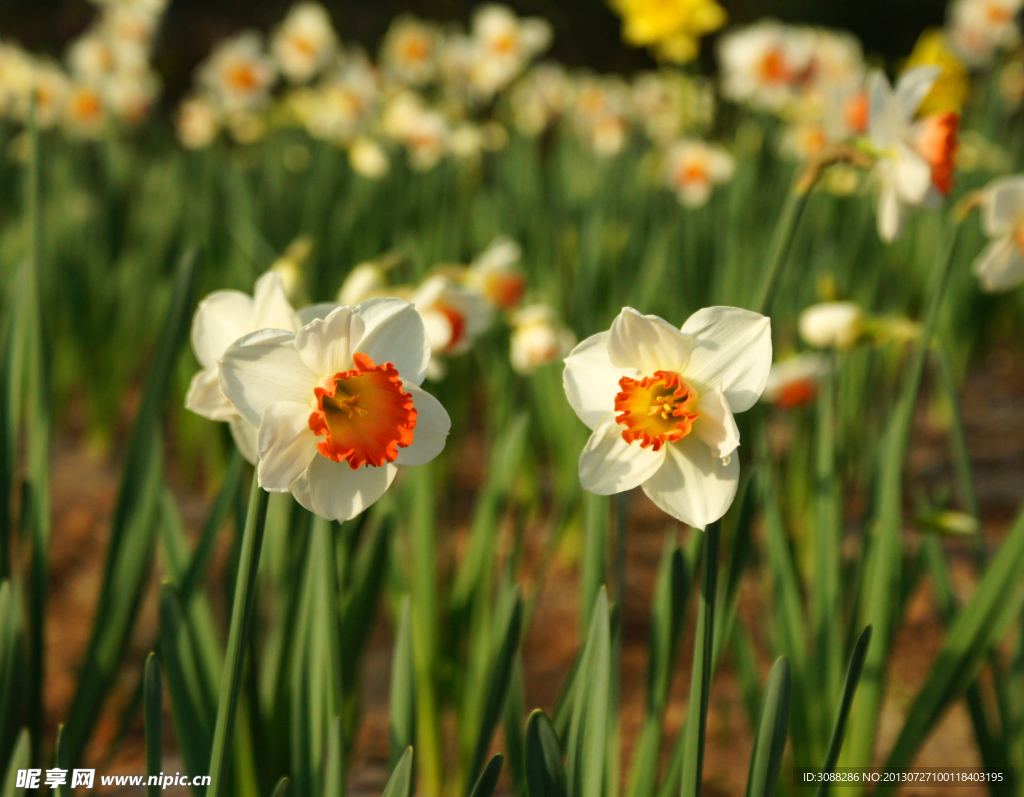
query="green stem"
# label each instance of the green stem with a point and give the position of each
(782, 240)
(241, 620)
(700, 679)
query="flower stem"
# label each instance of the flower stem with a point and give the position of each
(241, 620)
(782, 240)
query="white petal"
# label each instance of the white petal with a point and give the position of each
(913, 86)
(205, 398)
(315, 311)
(610, 465)
(271, 308)
(286, 445)
(694, 485)
(221, 319)
(1000, 266)
(245, 436)
(913, 175)
(394, 333)
(326, 344)
(732, 353)
(1003, 206)
(263, 369)
(647, 343)
(336, 492)
(432, 427)
(716, 425)
(885, 119)
(891, 214)
(591, 381)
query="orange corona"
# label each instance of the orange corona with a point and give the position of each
(365, 416)
(656, 410)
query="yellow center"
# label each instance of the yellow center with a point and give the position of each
(655, 410)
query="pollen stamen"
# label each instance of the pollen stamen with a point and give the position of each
(655, 410)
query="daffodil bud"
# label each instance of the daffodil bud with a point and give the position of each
(831, 325)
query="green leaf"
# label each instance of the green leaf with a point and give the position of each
(20, 759)
(154, 716)
(488, 780)
(588, 728)
(695, 730)
(400, 782)
(60, 760)
(282, 788)
(770, 734)
(512, 725)
(501, 674)
(241, 619)
(402, 705)
(193, 723)
(545, 775)
(853, 671)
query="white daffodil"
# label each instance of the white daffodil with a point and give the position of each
(305, 42)
(496, 273)
(1000, 266)
(831, 325)
(238, 73)
(409, 51)
(453, 314)
(914, 158)
(695, 167)
(794, 381)
(763, 64)
(537, 338)
(368, 158)
(198, 123)
(980, 28)
(502, 45)
(661, 401)
(222, 318)
(539, 98)
(364, 281)
(85, 111)
(338, 404)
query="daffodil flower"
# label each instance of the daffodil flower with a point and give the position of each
(793, 381)
(222, 318)
(661, 402)
(1000, 266)
(338, 404)
(831, 324)
(305, 42)
(915, 158)
(695, 167)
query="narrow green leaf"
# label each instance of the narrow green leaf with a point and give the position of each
(20, 759)
(545, 775)
(703, 655)
(282, 788)
(400, 782)
(853, 671)
(241, 617)
(192, 722)
(589, 726)
(60, 760)
(402, 705)
(501, 674)
(512, 725)
(154, 716)
(771, 732)
(488, 780)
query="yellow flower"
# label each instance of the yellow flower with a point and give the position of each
(950, 90)
(672, 28)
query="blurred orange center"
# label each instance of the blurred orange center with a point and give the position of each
(937, 144)
(504, 44)
(86, 105)
(798, 392)
(999, 14)
(505, 290)
(365, 417)
(656, 410)
(856, 112)
(303, 45)
(457, 322)
(773, 67)
(693, 172)
(242, 77)
(415, 48)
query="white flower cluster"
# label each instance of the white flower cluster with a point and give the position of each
(106, 76)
